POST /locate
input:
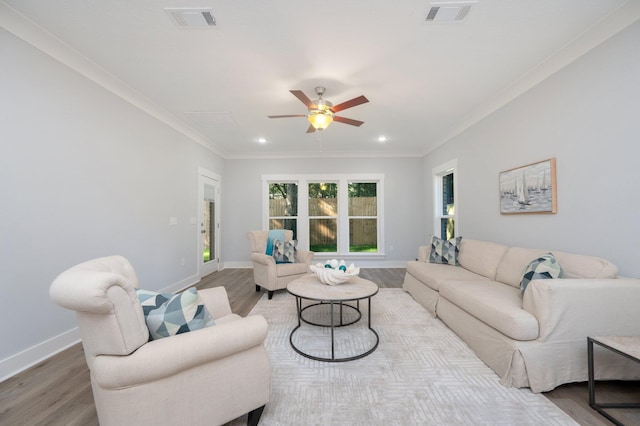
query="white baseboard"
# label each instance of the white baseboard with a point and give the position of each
(181, 285)
(237, 265)
(21, 361)
(373, 263)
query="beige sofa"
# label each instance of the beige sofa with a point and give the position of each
(538, 339)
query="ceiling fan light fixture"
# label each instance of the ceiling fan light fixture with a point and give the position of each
(320, 118)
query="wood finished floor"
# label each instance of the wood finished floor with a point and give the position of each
(57, 391)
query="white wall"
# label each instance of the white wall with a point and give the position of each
(403, 189)
(82, 174)
(588, 117)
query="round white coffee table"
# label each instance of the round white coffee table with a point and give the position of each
(325, 296)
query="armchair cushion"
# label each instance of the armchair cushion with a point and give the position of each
(169, 314)
(285, 251)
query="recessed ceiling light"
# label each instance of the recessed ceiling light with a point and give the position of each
(382, 139)
(262, 140)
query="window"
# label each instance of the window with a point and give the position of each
(323, 217)
(445, 225)
(363, 217)
(283, 206)
(342, 215)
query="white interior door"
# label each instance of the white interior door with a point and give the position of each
(209, 224)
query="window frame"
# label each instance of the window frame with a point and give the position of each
(438, 172)
(303, 180)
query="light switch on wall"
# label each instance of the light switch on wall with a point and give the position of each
(173, 220)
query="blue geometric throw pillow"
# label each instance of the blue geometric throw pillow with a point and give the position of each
(445, 251)
(168, 314)
(285, 251)
(544, 267)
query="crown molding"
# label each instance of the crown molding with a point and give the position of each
(33, 34)
(598, 33)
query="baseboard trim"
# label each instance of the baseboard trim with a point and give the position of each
(182, 284)
(237, 265)
(26, 359)
(29, 357)
(358, 262)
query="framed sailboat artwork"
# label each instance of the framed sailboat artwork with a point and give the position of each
(529, 189)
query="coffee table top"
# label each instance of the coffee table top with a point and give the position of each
(310, 287)
(629, 345)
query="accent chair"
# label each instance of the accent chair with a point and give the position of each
(267, 273)
(208, 376)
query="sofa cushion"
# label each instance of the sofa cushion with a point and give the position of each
(495, 304)
(481, 257)
(444, 251)
(287, 269)
(285, 251)
(169, 314)
(575, 265)
(544, 267)
(582, 266)
(431, 274)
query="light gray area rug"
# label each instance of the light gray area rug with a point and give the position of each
(420, 374)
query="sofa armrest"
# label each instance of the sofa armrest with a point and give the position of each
(423, 253)
(305, 256)
(576, 308)
(262, 259)
(216, 300)
(165, 357)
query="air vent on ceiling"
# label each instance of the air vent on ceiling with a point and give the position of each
(192, 18)
(449, 12)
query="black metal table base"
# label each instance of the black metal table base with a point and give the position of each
(599, 407)
(333, 325)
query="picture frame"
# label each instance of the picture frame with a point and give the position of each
(529, 189)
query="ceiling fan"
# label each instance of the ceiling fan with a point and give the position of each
(321, 112)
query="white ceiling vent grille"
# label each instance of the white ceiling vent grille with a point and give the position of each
(192, 18)
(449, 12)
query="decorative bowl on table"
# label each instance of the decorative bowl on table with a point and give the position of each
(333, 272)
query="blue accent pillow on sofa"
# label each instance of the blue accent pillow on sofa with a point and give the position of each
(445, 251)
(544, 267)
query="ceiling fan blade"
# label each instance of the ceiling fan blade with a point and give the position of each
(311, 129)
(350, 121)
(350, 104)
(303, 98)
(285, 116)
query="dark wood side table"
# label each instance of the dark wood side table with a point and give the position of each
(628, 347)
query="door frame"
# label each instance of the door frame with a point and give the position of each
(208, 177)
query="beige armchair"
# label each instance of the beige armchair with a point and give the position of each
(203, 377)
(267, 273)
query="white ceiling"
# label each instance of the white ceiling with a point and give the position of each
(425, 81)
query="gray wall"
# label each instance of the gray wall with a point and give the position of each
(588, 117)
(83, 174)
(403, 186)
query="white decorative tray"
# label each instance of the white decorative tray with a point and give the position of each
(334, 272)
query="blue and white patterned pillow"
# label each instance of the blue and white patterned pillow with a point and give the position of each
(168, 314)
(285, 251)
(445, 251)
(544, 267)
